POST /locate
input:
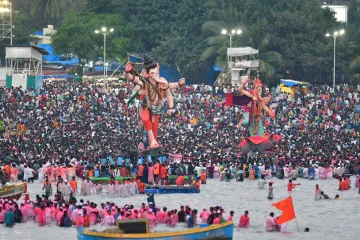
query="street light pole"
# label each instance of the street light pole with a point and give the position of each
(335, 35)
(104, 32)
(230, 39)
(231, 34)
(104, 54)
(334, 62)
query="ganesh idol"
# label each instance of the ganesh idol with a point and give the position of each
(255, 108)
(155, 91)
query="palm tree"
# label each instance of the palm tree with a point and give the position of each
(52, 9)
(223, 15)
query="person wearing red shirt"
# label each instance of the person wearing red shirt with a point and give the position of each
(244, 220)
(291, 186)
(180, 180)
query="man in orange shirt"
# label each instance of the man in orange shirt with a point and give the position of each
(73, 184)
(343, 185)
(7, 169)
(203, 177)
(141, 187)
(163, 173)
(197, 184)
(157, 172)
(180, 180)
(140, 171)
(291, 186)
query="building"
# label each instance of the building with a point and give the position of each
(43, 37)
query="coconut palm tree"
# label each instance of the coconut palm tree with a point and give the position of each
(52, 9)
(223, 15)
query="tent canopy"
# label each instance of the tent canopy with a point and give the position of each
(18, 52)
(245, 51)
(291, 83)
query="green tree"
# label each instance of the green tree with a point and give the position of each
(53, 10)
(299, 29)
(76, 35)
(225, 15)
(170, 32)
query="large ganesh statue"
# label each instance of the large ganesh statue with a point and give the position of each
(255, 138)
(155, 90)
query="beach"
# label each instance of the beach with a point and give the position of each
(327, 219)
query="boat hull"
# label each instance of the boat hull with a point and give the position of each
(12, 192)
(214, 232)
(171, 189)
(106, 180)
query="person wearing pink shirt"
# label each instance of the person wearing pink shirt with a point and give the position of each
(204, 215)
(2, 214)
(216, 218)
(63, 172)
(135, 214)
(94, 214)
(79, 222)
(270, 223)
(30, 210)
(37, 212)
(161, 215)
(168, 220)
(24, 211)
(48, 215)
(41, 216)
(174, 216)
(244, 220)
(14, 173)
(151, 218)
(108, 219)
(230, 218)
(59, 215)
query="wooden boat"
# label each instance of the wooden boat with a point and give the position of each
(171, 189)
(106, 180)
(12, 191)
(213, 232)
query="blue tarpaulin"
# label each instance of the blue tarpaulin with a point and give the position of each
(54, 58)
(58, 76)
(291, 83)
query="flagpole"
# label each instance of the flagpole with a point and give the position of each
(297, 225)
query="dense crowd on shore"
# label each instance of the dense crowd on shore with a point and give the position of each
(78, 129)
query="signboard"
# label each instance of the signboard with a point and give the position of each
(38, 83)
(19, 80)
(133, 226)
(341, 12)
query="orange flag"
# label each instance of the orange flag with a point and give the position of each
(287, 208)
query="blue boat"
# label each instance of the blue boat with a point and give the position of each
(171, 189)
(218, 231)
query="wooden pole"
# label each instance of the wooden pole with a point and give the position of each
(297, 226)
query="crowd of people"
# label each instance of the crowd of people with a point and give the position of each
(77, 129)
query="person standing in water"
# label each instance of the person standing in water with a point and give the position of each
(317, 192)
(291, 185)
(270, 193)
(262, 182)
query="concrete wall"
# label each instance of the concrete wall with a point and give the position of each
(2, 77)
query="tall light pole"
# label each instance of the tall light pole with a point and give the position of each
(231, 34)
(6, 24)
(104, 31)
(335, 35)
